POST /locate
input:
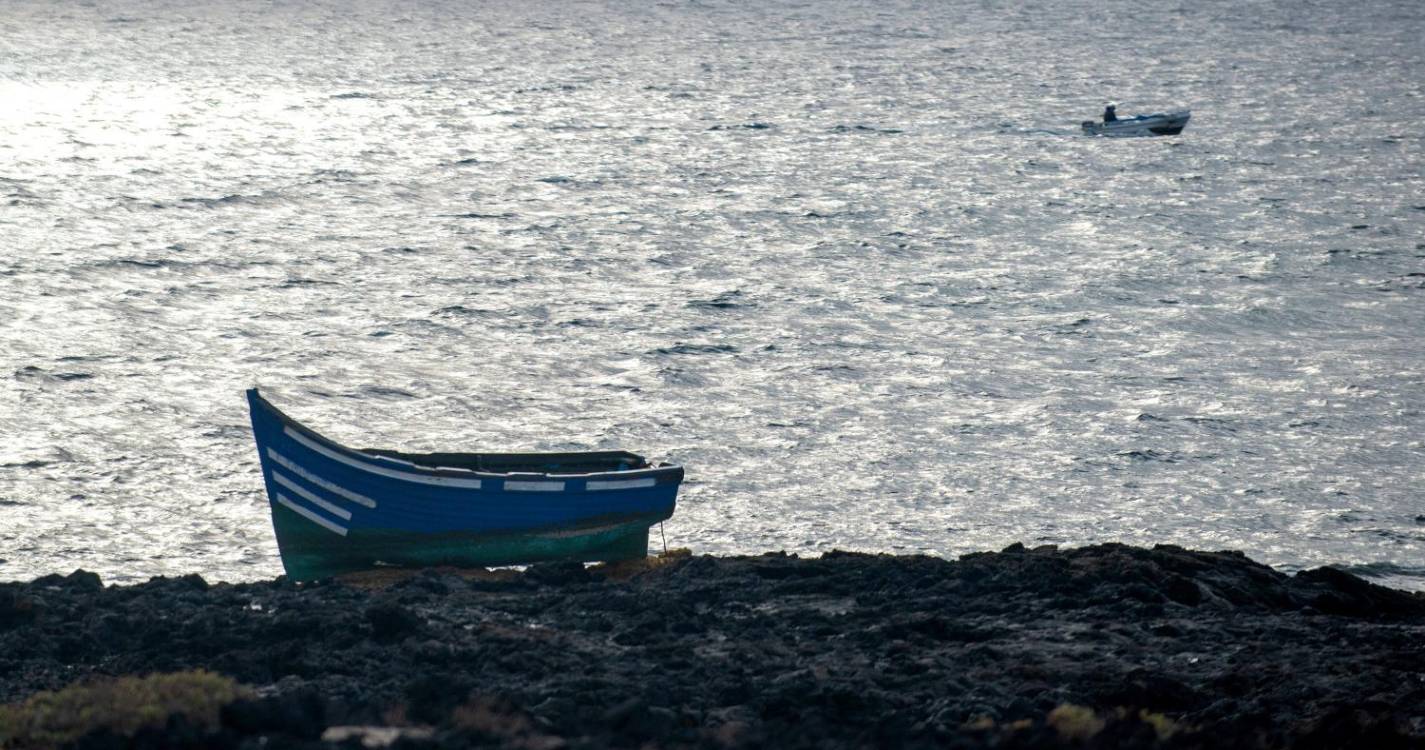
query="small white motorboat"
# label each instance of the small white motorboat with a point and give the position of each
(1161, 123)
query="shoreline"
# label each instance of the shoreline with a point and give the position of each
(1106, 645)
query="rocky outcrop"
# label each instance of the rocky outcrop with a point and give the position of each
(1104, 646)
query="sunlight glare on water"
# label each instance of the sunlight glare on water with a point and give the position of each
(852, 264)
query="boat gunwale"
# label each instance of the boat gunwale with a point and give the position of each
(661, 473)
(1182, 114)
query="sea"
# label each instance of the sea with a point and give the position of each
(853, 264)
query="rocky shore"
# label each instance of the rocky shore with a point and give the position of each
(1103, 646)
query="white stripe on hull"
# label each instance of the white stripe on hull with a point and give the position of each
(621, 484)
(311, 516)
(527, 486)
(287, 464)
(303, 493)
(472, 484)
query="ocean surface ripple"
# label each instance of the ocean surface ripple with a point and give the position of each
(850, 263)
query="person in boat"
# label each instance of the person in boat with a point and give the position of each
(1109, 115)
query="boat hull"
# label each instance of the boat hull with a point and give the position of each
(310, 552)
(338, 510)
(1171, 123)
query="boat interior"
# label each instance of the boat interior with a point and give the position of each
(588, 462)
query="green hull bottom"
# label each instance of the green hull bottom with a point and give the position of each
(310, 552)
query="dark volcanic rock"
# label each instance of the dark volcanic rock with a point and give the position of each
(15, 607)
(391, 621)
(557, 573)
(1105, 646)
(1334, 592)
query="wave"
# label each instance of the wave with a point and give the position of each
(30, 372)
(864, 129)
(745, 126)
(684, 348)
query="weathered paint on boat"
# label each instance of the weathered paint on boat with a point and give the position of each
(336, 509)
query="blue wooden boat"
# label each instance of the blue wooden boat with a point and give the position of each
(336, 509)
